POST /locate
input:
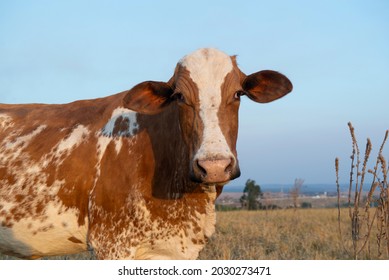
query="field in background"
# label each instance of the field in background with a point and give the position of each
(230, 200)
(285, 234)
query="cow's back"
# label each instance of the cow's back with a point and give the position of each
(47, 166)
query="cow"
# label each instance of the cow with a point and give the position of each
(134, 175)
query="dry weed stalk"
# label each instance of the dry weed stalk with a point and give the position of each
(383, 205)
(361, 219)
(295, 191)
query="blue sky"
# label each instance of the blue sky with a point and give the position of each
(336, 53)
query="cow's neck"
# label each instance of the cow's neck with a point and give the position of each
(170, 179)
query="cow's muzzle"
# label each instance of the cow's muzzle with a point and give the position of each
(214, 170)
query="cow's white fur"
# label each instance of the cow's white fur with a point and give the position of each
(49, 236)
(78, 134)
(5, 121)
(125, 114)
(208, 69)
(12, 149)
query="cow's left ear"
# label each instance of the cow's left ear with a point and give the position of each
(148, 97)
(266, 86)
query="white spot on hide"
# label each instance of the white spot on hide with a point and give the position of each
(5, 122)
(12, 148)
(121, 115)
(75, 138)
(49, 236)
(118, 145)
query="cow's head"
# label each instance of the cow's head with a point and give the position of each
(206, 87)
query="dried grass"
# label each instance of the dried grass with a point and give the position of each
(360, 206)
(282, 234)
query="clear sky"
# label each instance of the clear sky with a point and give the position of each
(335, 52)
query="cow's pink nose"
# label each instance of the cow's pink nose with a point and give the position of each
(215, 170)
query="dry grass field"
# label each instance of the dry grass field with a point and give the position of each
(285, 234)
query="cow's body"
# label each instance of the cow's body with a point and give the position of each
(130, 184)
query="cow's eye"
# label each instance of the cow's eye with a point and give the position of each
(179, 97)
(238, 94)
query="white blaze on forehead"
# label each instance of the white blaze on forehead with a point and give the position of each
(208, 69)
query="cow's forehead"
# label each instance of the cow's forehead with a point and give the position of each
(207, 67)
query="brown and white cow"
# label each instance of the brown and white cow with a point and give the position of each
(134, 175)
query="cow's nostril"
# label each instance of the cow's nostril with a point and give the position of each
(230, 166)
(202, 170)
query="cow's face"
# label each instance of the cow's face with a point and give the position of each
(206, 88)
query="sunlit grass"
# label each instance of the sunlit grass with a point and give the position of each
(281, 235)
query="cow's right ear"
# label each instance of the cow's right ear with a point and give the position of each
(266, 86)
(148, 97)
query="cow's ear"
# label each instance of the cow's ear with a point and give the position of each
(266, 86)
(148, 97)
